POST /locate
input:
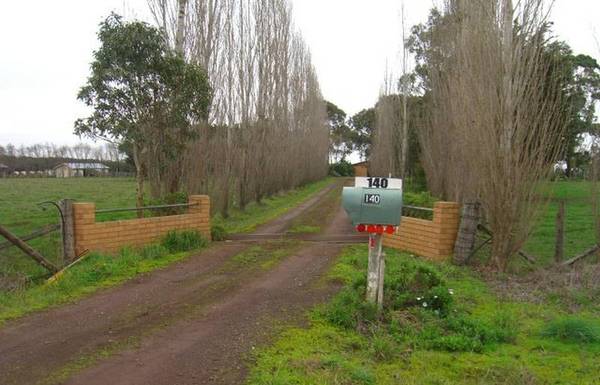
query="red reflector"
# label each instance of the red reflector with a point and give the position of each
(361, 228)
(379, 229)
(371, 229)
(389, 229)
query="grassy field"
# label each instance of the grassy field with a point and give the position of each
(20, 213)
(440, 325)
(579, 221)
(22, 282)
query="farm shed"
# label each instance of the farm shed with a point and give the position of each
(4, 170)
(67, 170)
(361, 169)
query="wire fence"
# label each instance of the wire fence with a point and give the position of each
(417, 212)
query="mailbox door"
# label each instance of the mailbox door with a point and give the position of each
(351, 201)
(381, 206)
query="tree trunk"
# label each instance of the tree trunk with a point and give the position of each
(568, 165)
(404, 154)
(139, 180)
(180, 34)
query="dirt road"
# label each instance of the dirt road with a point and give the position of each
(195, 322)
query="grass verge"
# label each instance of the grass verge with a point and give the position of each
(440, 325)
(99, 271)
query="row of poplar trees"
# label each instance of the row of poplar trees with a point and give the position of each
(487, 106)
(266, 127)
(220, 98)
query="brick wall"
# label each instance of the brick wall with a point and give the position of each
(432, 239)
(112, 236)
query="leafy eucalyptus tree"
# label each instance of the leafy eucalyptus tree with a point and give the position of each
(144, 94)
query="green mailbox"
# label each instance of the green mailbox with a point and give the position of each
(367, 204)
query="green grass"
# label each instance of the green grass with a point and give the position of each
(263, 256)
(573, 329)
(304, 229)
(19, 214)
(479, 339)
(579, 221)
(270, 208)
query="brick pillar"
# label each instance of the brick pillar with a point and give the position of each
(84, 218)
(201, 210)
(202, 204)
(446, 217)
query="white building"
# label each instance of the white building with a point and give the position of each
(67, 170)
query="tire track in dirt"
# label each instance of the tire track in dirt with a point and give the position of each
(191, 309)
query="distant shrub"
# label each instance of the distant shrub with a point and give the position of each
(342, 168)
(218, 233)
(421, 199)
(573, 329)
(179, 241)
(169, 199)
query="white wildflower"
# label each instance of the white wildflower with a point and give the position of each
(424, 304)
(451, 291)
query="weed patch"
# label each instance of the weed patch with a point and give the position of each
(572, 329)
(218, 233)
(179, 241)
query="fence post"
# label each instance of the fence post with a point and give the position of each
(67, 230)
(559, 247)
(465, 241)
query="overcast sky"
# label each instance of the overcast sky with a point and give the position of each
(46, 48)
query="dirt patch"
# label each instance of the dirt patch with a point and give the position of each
(191, 323)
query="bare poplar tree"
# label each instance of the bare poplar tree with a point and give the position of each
(493, 133)
(266, 129)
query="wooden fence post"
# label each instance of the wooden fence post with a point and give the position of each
(467, 233)
(559, 247)
(67, 230)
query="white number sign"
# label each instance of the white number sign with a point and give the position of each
(378, 182)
